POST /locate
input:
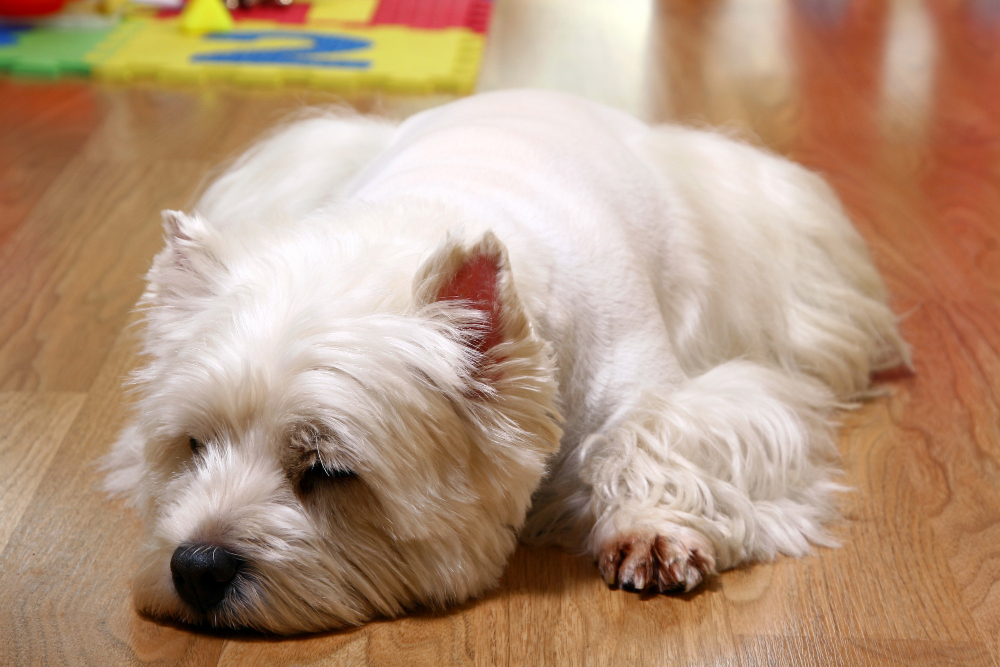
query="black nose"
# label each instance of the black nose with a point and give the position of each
(202, 574)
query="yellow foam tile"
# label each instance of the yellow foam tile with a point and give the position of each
(396, 59)
(347, 11)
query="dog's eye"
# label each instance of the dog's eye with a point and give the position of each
(318, 473)
(195, 445)
(322, 472)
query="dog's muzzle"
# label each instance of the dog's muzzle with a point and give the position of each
(202, 574)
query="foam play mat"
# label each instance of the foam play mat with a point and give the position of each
(411, 46)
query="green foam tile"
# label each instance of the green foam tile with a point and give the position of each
(50, 52)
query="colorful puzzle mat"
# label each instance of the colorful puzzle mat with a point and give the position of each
(393, 45)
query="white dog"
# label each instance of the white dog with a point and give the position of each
(379, 354)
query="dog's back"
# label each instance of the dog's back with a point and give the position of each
(708, 304)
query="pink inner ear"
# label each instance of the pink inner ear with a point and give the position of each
(476, 283)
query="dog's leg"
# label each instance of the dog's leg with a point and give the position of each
(733, 466)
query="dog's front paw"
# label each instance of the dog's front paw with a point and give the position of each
(677, 559)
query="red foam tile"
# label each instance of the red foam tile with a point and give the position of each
(434, 14)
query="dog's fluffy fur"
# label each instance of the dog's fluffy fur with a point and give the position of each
(520, 314)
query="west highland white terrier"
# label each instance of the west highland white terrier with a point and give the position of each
(378, 354)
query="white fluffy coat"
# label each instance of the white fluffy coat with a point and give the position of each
(679, 315)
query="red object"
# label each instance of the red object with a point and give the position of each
(294, 13)
(29, 7)
(475, 282)
(434, 14)
(426, 14)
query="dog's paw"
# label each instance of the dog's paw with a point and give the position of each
(677, 559)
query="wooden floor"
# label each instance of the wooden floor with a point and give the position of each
(897, 103)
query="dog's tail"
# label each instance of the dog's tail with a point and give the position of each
(300, 167)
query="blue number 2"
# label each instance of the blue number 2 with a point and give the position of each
(310, 55)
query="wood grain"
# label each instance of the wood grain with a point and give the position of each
(896, 102)
(34, 424)
(31, 159)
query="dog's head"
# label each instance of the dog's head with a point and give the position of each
(313, 444)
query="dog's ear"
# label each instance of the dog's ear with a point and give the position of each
(185, 237)
(180, 268)
(514, 364)
(184, 234)
(479, 277)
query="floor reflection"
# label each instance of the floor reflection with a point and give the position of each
(961, 182)
(838, 54)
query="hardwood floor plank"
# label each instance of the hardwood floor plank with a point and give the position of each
(72, 272)
(849, 652)
(64, 574)
(45, 126)
(348, 647)
(928, 205)
(33, 426)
